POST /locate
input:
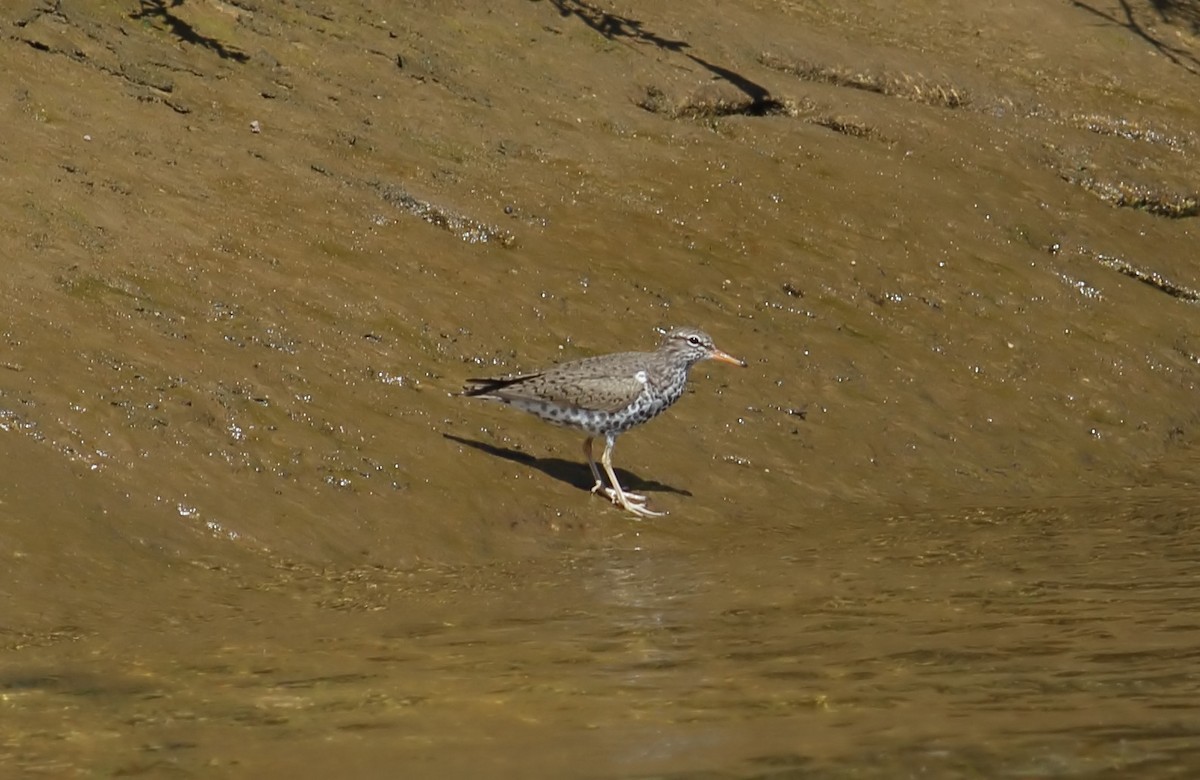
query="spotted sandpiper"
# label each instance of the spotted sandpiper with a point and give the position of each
(607, 395)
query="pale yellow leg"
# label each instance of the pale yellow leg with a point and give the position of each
(599, 487)
(618, 496)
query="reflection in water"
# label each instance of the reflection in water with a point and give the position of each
(1045, 642)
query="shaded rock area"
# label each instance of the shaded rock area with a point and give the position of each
(253, 248)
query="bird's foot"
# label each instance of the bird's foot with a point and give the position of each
(615, 497)
(637, 509)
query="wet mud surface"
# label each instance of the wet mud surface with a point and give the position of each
(944, 524)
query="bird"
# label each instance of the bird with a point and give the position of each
(606, 395)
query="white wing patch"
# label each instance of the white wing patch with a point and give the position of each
(641, 377)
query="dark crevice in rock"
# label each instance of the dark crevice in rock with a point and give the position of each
(902, 85)
(1151, 278)
(845, 126)
(712, 101)
(1125, 194)
(467, 229)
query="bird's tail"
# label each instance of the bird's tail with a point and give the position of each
(485, 387)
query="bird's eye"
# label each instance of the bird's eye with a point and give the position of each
(694, 341)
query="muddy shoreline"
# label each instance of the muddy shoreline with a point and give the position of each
(254, 248)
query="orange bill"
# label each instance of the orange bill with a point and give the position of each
(725, 357)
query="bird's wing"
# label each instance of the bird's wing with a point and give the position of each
(601, 393)
(578, 388)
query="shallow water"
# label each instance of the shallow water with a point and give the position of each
(1053, 640)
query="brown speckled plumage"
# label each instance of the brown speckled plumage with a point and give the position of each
(607, 395)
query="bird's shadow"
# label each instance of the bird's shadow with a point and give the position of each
(574, 473)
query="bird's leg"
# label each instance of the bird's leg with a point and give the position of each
(618, 496)
(599, 487)
(587, 453)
